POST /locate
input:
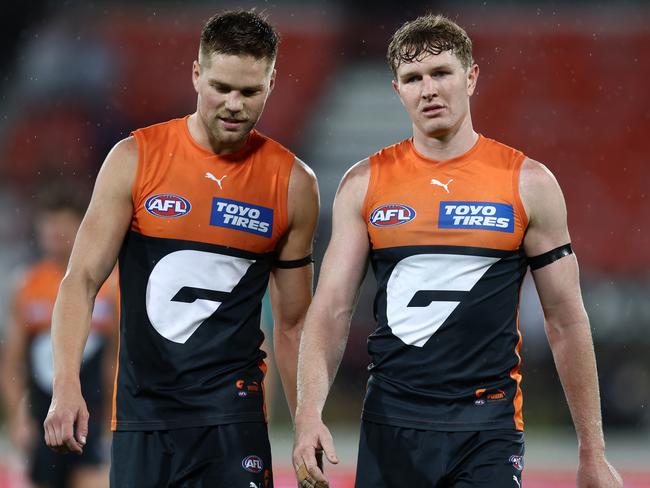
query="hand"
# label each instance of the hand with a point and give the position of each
(596, 472)
(66, 424)
(311, 439)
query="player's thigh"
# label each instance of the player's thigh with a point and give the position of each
(245, 457)
(396, 457)
(141, 459)
(494, 460)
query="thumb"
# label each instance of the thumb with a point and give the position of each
(81, 427)
(327, 443)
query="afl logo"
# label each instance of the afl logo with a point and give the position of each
(167, 205)
(252, 463)
(391, 214)
(517, 462)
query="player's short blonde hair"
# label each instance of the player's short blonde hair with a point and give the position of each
(428, 34)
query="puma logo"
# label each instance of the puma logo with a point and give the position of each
(252, 485)
(210, 176)
(438, 183)
(516, 480)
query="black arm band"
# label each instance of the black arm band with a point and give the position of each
(295, 263)
(549, 257)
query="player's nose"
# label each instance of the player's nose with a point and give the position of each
(429, 87)
(234, 102)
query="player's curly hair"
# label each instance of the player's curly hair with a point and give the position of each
(428, 34)
(239, 32)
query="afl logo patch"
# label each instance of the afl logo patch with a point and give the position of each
(252, 464)
(167, 205)
(517, 462)
(391, 214)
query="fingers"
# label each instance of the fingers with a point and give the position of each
(59, 432)
(308, 463)
(81, 428)
(308, 469)
(65, 435)
(328, 447)
(306, 480)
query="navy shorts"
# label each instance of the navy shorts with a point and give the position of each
(217, 456)
(49, 468)
(396, 457)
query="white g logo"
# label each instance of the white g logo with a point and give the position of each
(187, 287)
(423, 290)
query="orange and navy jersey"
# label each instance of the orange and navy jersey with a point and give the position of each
(446, 249)
(34, 303)
(194, 267)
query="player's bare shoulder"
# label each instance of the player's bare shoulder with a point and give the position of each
(303, 187)
(539, 189)
(120, 166)
(302, 177)
(354, 184)
(303, 198)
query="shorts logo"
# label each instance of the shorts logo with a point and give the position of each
(244, 388)
(391, 214)
(246, 217)
(252, 464)
(517, 462)
(476, 215)
(167, 205)
(484, 396)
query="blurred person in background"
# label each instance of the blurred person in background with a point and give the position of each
(27, 368)
(450, 221)
(202, 211)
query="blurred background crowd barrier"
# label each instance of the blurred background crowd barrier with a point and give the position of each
(566, 82)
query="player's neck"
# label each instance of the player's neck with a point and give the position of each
(448, 145)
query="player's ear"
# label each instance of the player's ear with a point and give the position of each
(472, 79)
(272, 81)
(196, 72)
(396, 88)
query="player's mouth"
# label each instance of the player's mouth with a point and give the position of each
(230, 123)
(433, 109)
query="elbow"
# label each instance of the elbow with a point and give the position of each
(79, 282)
(557, 328)
(289, 328)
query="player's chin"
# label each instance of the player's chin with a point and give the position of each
(235, 134)
(436, 128)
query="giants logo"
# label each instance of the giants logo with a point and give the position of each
(391, 214)
(167, 205)
(186, 287)
(420, 295)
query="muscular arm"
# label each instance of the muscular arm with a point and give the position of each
(291, 289)
(93, 257)
(328, 319)
(565, 319)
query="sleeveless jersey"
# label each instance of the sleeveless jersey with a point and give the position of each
(446, 250)
(35, 297)
(194, 267)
